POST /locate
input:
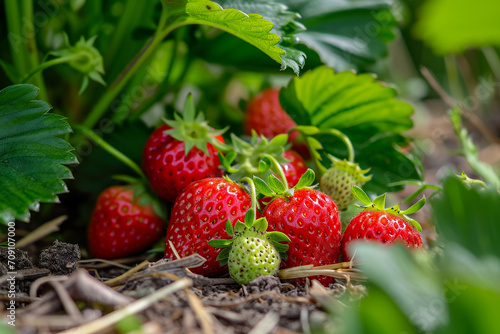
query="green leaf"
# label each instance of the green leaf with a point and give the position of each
(249, 217)
(223, 256)
(31, 154)
(189, 111)
(364, 110)
(247, 26)
(279, 140)
(220, 243)
(308, 130)
(261, 224)
(452, 26)
(415, 207)
(277, 236)
(379, 202)
(276, 185)
(239, 227)
(411, 286)
(281, 248)
(264, 165)
(345, 35)
(229, 228)
(360, 195)
(262, 187)
(306, 179)
(227, 49)
(468, 216)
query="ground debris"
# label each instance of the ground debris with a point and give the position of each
(168, 298)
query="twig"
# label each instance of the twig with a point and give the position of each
(322, 296)
(42, 231)
(118, 280)
(68, 303)
(204, 317)
(133, 308)
(41, 281)
(116, 263)
(259, 295)
(451, 102)
(80, 286)
(309, 270)
(266, 324)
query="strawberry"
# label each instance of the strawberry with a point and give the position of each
(338, 180)
(252, 252)
(384, 225)
(199, 215)
(308, 217)
(265, 115)
(123, 223)
(294, 168)
(180, 152)
(248, 156)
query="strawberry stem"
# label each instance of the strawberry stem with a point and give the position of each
(345, 140)
(253, 195)
(276, 167)
(111, 150)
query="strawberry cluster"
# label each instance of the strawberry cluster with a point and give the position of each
(214, 187)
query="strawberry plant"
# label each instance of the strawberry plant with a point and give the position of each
(159, 129)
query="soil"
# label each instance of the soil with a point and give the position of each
(68, 294)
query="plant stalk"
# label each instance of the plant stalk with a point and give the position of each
(110, 149)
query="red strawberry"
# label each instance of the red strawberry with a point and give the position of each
(386, 226)
(294, 168)
(308, 217)
(199, 215)
(181, 152)
(122, 225)
(265, 115)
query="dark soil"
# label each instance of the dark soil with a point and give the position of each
(60, 258)
(69, 295)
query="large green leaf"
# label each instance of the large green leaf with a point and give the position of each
(451, 26)
(346, 34)
(31, 154)
(423, 292)
(469, 217)
(250, 27)
(366, 111)
(412, 286)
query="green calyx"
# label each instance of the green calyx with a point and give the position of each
(274, 187)
(194, 130)
(245, 157)
(252, 251)
(85, 58)
(378, 204)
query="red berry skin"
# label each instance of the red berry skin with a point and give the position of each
(265, 115)
(293, 169)
(170, 170)
(199, 215)
(120, 226)
(382, 227)
(311, 220)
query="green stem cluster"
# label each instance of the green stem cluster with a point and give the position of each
(22, 33)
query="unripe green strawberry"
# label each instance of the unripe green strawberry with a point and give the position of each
(338, 180)
(252, 252)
